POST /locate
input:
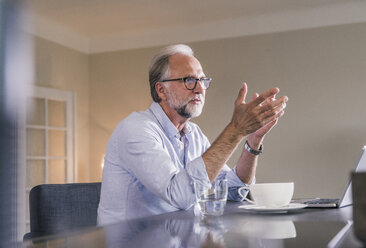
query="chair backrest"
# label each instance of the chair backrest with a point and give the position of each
(56, 208)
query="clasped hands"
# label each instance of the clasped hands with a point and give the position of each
(258, 116)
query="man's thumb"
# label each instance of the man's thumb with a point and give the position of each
(242, 94)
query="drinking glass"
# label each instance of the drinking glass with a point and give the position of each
(211, 201)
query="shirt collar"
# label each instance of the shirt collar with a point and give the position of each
(165, 122)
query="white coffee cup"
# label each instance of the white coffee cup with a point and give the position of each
(270, 194)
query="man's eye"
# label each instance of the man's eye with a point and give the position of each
(190, 80)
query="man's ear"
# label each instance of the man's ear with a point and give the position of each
(160, 90)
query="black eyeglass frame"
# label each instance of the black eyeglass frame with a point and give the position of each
(186, 78)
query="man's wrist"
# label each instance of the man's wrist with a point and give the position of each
(233, 130)
(252, 150)
(254, 141)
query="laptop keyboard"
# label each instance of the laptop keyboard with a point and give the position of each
(321, 201)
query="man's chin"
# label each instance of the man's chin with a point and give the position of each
(190, 113)
(195, 115)
(195, 112)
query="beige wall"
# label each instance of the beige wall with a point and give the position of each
(322, 71)
(62, 68)
(118, 86)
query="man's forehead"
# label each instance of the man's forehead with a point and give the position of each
(179, 62)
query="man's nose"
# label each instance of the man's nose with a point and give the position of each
(199, 87)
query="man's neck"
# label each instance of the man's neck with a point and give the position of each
(178, 121)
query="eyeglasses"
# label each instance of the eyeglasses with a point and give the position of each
(191, 82)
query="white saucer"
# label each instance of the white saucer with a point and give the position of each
(263, 209)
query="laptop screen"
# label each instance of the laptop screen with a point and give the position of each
(346, 198)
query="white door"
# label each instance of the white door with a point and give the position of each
(50, 139)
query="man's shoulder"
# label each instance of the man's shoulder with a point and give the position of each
(138, 121)
(136, 127)
(140, 115)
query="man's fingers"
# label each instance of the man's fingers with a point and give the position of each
(262, 97)
(242, 94)
(269, 126)
(272, 104)
(273, 123)
(274, 112)
(274, 118)
(255, 95)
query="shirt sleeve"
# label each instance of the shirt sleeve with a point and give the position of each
(234, 183)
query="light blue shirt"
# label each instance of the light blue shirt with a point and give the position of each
(149, 167)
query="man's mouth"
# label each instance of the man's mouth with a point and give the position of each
(196, 101)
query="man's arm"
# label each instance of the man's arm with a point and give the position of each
(247, 119)
(247, 164)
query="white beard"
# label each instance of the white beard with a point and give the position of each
(183, 106)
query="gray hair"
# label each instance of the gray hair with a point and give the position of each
(159, 67)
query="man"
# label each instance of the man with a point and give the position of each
(153, 156)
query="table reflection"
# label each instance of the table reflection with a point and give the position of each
(205, 232)
(306, 228)
(271, 229)
(202, 232)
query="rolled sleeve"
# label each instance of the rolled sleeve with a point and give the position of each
(234, 183)
(196, 169)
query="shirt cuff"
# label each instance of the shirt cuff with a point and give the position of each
(234, 184)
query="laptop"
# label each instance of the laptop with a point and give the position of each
(346, 198)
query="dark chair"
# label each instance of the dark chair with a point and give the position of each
(56, 208)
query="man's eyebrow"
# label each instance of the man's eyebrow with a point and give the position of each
(195, 76)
